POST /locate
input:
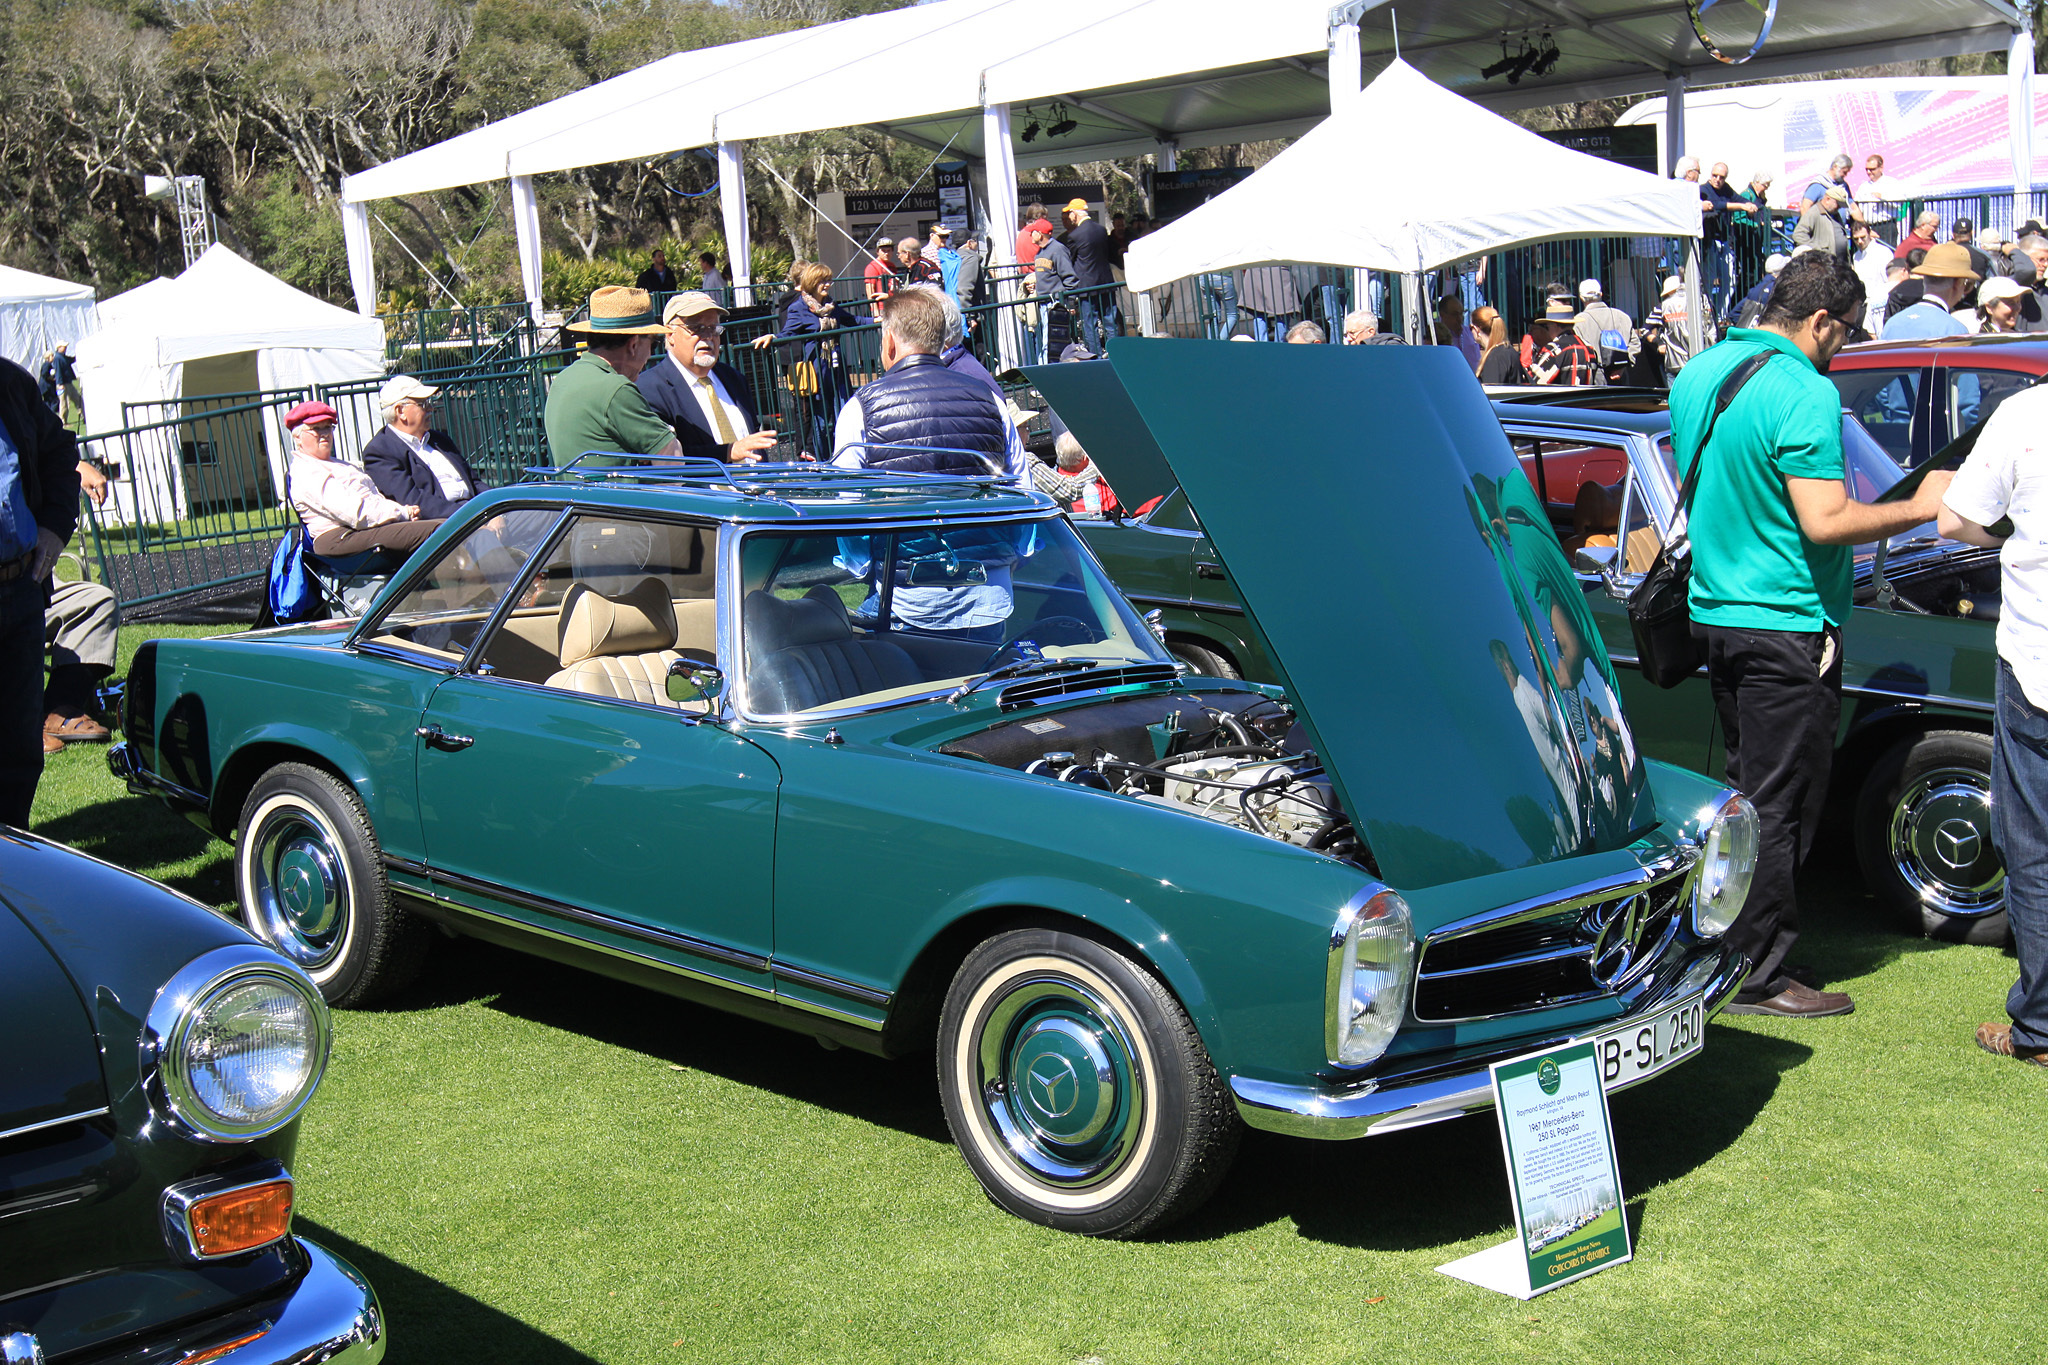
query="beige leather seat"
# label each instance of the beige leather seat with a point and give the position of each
(618, 646)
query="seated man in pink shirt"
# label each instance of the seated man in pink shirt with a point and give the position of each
(343, 511)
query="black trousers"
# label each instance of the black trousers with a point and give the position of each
(21, 697)
(1779, 697)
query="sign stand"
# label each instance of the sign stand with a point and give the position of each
(1554, 1131)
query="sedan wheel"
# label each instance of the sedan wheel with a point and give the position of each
(1077, 1088)
(1923, 836)
(311, 882)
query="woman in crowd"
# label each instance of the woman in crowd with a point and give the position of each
(818, 375)
(1498, 361)
(343, 511)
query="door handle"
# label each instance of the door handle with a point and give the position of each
(1208, 570)
(437, 738)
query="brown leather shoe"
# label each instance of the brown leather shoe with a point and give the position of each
(1796, 1002)
(1996, 1039)
(51, 744)
(75, 729)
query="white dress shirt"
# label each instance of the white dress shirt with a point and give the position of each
(735, 416)
(454, 487)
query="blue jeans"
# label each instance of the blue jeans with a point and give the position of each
(1221, 289)
(2019, 826)
(1098, 321)
(1717, 276)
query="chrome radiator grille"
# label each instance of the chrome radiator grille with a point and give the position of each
(1554, 952)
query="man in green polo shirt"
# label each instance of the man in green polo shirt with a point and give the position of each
(592, 405)
(1772, 530)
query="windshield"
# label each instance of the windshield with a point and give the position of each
(835, 622)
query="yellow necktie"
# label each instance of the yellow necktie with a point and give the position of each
(718, 421)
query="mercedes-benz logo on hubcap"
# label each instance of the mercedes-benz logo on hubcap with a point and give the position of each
(1956, 842)
(1617, 930)
(298, 889)
(1049, 1078)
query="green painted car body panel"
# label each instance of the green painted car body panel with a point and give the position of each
(1089, 397)
(1378, 513)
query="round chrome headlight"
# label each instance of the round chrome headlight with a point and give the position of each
(1372, 960)
(1727, 863)
(234, 1045)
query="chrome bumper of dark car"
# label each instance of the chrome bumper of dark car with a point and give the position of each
(1385, 1106)
(332, 1317)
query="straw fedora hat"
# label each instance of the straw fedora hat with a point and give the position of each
(618, 310)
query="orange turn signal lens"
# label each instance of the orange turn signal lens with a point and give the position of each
(241, 1220)
(225, 1348)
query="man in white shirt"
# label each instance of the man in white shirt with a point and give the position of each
(2007, 476)
(411, 463)
(713, 282)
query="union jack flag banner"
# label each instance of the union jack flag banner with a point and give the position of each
(1937, 137)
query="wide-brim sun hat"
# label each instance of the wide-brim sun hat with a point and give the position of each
(1950, 260)
(620, 310)
(1560, 310)
(1672, 284)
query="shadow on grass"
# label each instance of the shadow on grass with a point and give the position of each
(1844, 932)
(138, 832)
(1447, 1183)
(428, 1321)
(900, 1094)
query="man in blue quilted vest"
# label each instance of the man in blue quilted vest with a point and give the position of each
(921, 417)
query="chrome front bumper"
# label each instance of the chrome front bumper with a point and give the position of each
(332, 1317)
(1386, 1106)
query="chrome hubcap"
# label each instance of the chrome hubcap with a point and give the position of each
(300, 889)
(1941, 843)
(1059, 1082)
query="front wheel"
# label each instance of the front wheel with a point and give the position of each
(1206, 661)
(1923, 837)
(1077, 1088)
(311, 882)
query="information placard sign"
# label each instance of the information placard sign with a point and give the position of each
(1562, 1175)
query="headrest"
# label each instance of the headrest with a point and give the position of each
(774, 623)
(642, 621)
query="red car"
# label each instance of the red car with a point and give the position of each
(1914, 397)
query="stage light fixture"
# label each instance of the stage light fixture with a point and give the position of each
(1546, 57)
(1065, 125)
(1031, 130)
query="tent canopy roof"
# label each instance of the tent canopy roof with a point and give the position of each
(220, 305)
(23, 286)
(1461, 180)
(1138, 74)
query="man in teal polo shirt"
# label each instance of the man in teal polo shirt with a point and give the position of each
(1772, 530)
(592, 405)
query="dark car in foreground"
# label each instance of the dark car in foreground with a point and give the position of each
(1913, 758)
(157, 1062)
(888, 760)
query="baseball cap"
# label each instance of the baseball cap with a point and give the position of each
(400, 387)
(1076, 206)
(1950, 260)
(1999, 287)
(1590, 289)
(1039, 225)
(688, 304)
(1775, 262)
(1962, 225)
(942, 229)
(310, 414)
(1830, 190)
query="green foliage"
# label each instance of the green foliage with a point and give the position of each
(295, 237)
(568, 283)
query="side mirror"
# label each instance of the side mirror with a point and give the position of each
(1595, 559)
(1155, 619)
(690, 681)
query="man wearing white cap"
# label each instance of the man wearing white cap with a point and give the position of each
(409, 462)
(1609, 333)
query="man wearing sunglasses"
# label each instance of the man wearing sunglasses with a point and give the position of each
(706, 402)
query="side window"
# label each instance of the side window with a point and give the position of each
(1639, 536)
(616, 601)
(440, 615)
(1974, 395)
(1885, 402)
(1579, 483)
(1174, 513)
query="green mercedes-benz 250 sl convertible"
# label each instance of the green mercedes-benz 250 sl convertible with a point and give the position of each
(1913, 762)
(888, 760)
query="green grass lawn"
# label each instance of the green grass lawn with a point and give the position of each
(535, 1164)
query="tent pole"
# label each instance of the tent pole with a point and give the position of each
(526, 237)
(1674, 120)
(1347, 76)
(1169, 156)
(999, 155)
(362, 266)
(1695, 325)
(2019, 95)
(1411, 309)
(732, 197)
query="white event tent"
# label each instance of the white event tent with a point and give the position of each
(1458, 181)
(223, 327)
(37, 312)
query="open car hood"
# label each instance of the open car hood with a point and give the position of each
(1094, 406)
(1401, 572)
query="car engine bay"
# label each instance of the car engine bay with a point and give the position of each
(1960, 586)
(1237, 758)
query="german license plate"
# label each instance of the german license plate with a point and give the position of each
(1641, 1048)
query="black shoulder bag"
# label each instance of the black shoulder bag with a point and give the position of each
(1660, 607)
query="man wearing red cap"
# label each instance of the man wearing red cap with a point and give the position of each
(343, 511)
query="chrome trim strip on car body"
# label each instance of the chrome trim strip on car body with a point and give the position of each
(178, 1200)
(1675, 859)
(1371, 1107)
(1187, 604)
(851, 990)
(661, 938)
(1984, 708)
(407, 866)
(79, 1117)
(142, 782)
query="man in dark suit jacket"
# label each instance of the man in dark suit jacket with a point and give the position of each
(401, 469)
(708, 403)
